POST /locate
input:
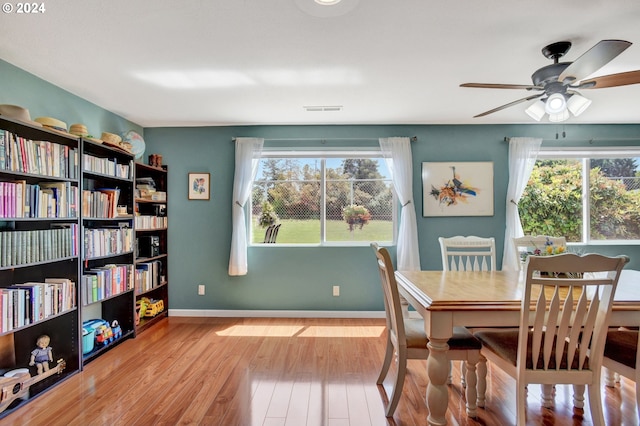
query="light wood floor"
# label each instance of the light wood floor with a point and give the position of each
(222, 371)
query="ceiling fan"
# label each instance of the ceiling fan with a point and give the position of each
(559, 82)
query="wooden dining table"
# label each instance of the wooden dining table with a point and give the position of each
(446, 299)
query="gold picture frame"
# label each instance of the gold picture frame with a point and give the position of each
(199, 186)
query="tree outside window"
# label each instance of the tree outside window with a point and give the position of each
(553, 202)
(310, 196)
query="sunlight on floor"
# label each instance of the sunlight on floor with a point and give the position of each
(301, 331)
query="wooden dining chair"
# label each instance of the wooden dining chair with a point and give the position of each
(271, 233)
(622, 356)
(528, 244)
(468, 253)
(566, 305)
(406, 339)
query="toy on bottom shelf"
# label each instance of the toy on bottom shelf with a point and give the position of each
(117, 330)
(141, 308)
(149, 308)
(88, 339)
(104, 335)
(15, 383)
(103, 332)
(42, 355)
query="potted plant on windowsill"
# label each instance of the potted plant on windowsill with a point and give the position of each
(356, 216)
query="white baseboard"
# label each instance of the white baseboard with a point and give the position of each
(273, 314)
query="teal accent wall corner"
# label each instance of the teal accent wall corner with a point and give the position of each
(43, 99)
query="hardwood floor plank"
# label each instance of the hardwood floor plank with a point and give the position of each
(274, 371)
(357, 402)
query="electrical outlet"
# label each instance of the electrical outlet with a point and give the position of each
(336, 290)
(201, 290)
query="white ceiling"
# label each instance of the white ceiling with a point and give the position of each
(237, 62)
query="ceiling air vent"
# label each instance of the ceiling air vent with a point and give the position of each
(323, 108)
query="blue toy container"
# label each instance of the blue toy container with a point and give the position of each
(88, 340)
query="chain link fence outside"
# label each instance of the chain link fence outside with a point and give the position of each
(298, 205)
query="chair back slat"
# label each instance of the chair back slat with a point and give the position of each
(469, 253)
(538, 324)
(589, 324)
(564, 326)
(571, 314)
(271, 233)
(549, 346)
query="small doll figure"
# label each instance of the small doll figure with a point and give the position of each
(42, 355)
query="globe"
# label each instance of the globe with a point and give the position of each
(137, 143)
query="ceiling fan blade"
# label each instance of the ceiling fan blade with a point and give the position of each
(593, 59)
(612, 80)
(519, 101)
(501, 86)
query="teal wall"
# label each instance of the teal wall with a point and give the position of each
(302, 278)
(43, 99)
(287, 278)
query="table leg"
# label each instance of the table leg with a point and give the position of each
(437, 389)
(610, 378)
(546, 397)
(578, 396)
(404, 306)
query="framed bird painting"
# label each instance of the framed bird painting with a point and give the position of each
(462, 188)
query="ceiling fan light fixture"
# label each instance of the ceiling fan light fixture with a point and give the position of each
(536, 110)
(327, 2)
(578, 104)
(556, 103)
(558, 117)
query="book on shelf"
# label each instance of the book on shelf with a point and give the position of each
(66, 290)
(60, 196)
(101, 203)
(147, 276)
(26, 303)
(3, 152)
(106, 281)
(38, 245)
(45, 158)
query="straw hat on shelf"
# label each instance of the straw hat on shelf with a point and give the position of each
(54, 124)
(17, 112)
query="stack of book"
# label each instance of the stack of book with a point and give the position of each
(146, 187)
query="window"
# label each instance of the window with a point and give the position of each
(323, 198)
(588, 196)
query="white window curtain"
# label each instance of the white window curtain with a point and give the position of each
(523, 153)
(248, 152)
(397, 154)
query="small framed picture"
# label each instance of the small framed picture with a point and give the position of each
(199, 186)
